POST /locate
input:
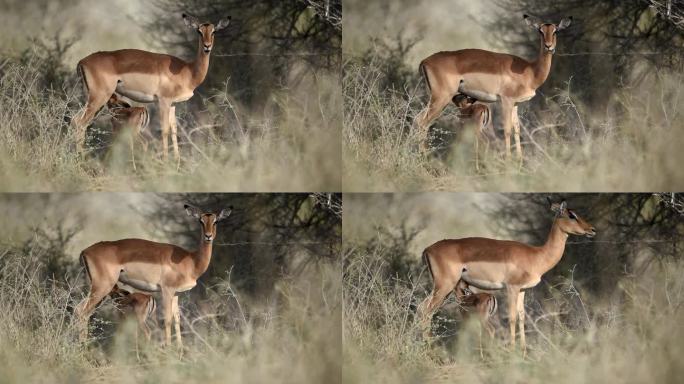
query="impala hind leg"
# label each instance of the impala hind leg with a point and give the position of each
(435, 107)
(432, 303)
(101, 284)
(99, 91)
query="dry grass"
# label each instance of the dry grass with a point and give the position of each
(633, 146)
(293, 145)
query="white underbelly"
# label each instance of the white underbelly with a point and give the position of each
(131, 289)
(140, 277)
(139, 87)
(482, 86)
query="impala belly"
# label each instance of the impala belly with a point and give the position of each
(139, 277)
(493, 276)
(140, 87)
(482, 86)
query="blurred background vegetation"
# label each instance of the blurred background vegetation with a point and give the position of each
(268, 306)
(271, 98)
(612, 300)
(613, 93)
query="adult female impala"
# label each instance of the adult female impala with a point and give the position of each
(146, 77)
(489, 77)
(149, 268)
(489, 265)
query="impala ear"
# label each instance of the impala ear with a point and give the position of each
(224, 213)
(564, 23)
(192, 211)
(532, 21)
(191, 21)
(563, 207)
(223, 23)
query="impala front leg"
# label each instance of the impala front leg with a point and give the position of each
(521, 321)
(516, 134)
(512, 297)
(176, 321)
(174, 135)
(167, 297)
(507, 114)
(164, 113)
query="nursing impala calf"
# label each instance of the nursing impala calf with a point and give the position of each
(482, 304)
(479, 116)
(124, 117)
(148, 268)
(491, 265)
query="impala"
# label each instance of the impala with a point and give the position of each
(491, 265)
(140, 304)
(149, 268)
(484, 305)
(146, 77)
(134, 118)
(479, 114)
(489, 76)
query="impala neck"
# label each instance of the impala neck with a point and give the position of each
(203, 256)
(201, 65)
(542, 66)
(554, 247)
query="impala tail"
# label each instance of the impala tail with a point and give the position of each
(81, 74)
(84, 261)
(426, 258)
(423, 72)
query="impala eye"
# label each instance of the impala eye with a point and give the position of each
(572, 215)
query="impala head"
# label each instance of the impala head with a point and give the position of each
(208, 220)
(569, 222)
(206, 30)
(116, 102)
(548, 30)
(461, 100)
